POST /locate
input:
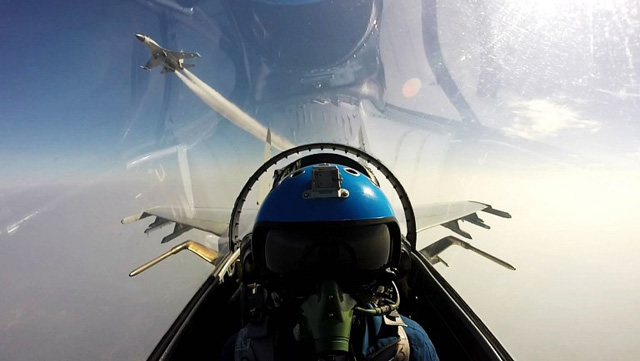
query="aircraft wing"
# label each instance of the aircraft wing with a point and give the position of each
(183, 55)
(448, 215)
(212, 220)
(153, 62)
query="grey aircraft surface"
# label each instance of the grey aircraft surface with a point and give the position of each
(169, 59)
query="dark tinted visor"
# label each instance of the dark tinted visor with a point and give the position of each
(313, 250)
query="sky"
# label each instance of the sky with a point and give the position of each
(77, 112)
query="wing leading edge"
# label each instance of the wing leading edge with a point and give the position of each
(212, 220)
(448, 215)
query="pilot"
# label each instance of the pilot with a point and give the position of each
(319, 269)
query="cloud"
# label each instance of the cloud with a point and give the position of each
(542, 118)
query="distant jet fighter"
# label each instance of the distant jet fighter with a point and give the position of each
(170, 60)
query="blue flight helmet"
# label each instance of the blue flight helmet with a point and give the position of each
(326, 221)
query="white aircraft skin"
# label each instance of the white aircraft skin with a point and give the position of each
(169, 59)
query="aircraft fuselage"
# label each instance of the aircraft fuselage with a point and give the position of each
(170, 60)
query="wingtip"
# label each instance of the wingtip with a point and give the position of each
(131, 219)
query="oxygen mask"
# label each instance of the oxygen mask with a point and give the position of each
(326, 318)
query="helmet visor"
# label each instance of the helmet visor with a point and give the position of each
(322, 251)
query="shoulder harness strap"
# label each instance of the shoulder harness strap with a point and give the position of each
(253, 343)
(403, 350)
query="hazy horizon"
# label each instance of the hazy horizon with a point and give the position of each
(88, 138)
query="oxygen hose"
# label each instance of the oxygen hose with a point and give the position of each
(382, 310)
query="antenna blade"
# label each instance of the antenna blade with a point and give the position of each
(474, 219)
(455, 227)
(157, 224)
(177, 231)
